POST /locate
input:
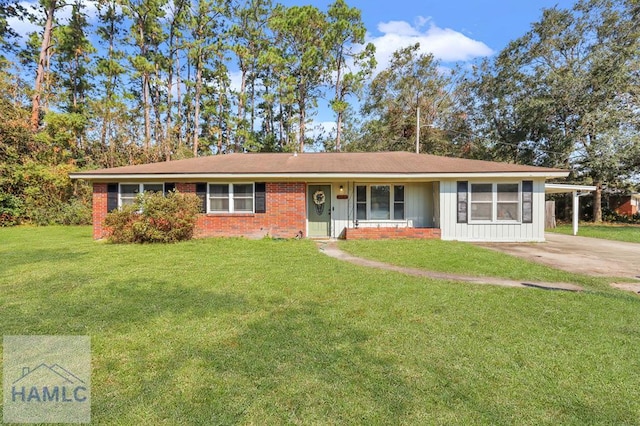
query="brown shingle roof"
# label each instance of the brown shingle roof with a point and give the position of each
(278, 164)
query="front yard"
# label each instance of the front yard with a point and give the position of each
(628, 233)
(222, 331)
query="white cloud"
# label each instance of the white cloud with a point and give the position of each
(445, 44)
(23, 26)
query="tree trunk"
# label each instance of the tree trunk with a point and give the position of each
(196, 101)
(339, 117)
(241, 103)
(147, 111)
(302, 122)
(597, 203)
(40, 71)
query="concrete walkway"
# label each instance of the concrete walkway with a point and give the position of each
(330, 248)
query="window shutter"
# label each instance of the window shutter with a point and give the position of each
(168, 187)
(261, 197)
(527, 201)
(201, 192)
(463, 195)
(112, 196)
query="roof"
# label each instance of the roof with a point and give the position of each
(363, 164)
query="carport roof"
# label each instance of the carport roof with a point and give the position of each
(558, 188)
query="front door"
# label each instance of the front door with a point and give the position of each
(319, 210)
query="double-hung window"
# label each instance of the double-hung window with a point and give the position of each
(380, 202)
(129, 191)
(494, 202)
(230, 198)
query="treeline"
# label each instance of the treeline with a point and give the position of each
(131, 81)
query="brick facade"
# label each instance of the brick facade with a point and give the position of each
(391, 233)
(99, 209)
(285, 215)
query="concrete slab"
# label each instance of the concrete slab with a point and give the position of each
(590, 256)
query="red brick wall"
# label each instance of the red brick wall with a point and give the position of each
(388, 233)
(99, 209)
(285, 215)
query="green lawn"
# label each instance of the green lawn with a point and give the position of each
(225, 331)
(628, 233)
(464, 258)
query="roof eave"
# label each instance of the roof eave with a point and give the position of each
(331, 176)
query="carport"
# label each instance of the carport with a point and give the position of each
(577, 191)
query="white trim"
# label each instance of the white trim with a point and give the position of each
(367, 203)
(494, 204)
(140, 189)
(558, 188)
(305, 176)
(231, 198)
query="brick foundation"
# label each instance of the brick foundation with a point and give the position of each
(391, 233)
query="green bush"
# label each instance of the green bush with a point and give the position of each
(10, 210)
(612, 216)
(154, 218)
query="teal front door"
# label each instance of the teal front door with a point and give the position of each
(319, 210)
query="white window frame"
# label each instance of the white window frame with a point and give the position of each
(231, 198)
(140, 189)
(392, 201)
(494, 203)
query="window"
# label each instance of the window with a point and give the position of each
(361, 202)
(230, 198)
(129, 191)
(379, 202)
(481, 201)
(507, 208)
(398, 202)
(495, 202)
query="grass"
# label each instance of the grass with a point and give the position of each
(227, 331)
(464, 258)
(627, 233)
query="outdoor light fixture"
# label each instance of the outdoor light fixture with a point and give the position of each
(341, 188)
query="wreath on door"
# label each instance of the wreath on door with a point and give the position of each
(318, 200)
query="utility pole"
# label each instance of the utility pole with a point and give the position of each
(418, 130)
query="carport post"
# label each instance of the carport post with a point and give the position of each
(575, 207)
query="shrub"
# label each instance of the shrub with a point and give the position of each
(10, 209)
(155, 218)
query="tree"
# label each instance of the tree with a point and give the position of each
(411, 81)
(49, 7)
(567, 89)
(349, 65)
(249, 41)
(147, 34)
(206, 45)
(109, 72)
(72, 69)
(299, 33)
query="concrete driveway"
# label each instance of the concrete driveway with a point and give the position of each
(591, 256)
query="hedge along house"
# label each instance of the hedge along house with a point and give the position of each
(342, 195)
